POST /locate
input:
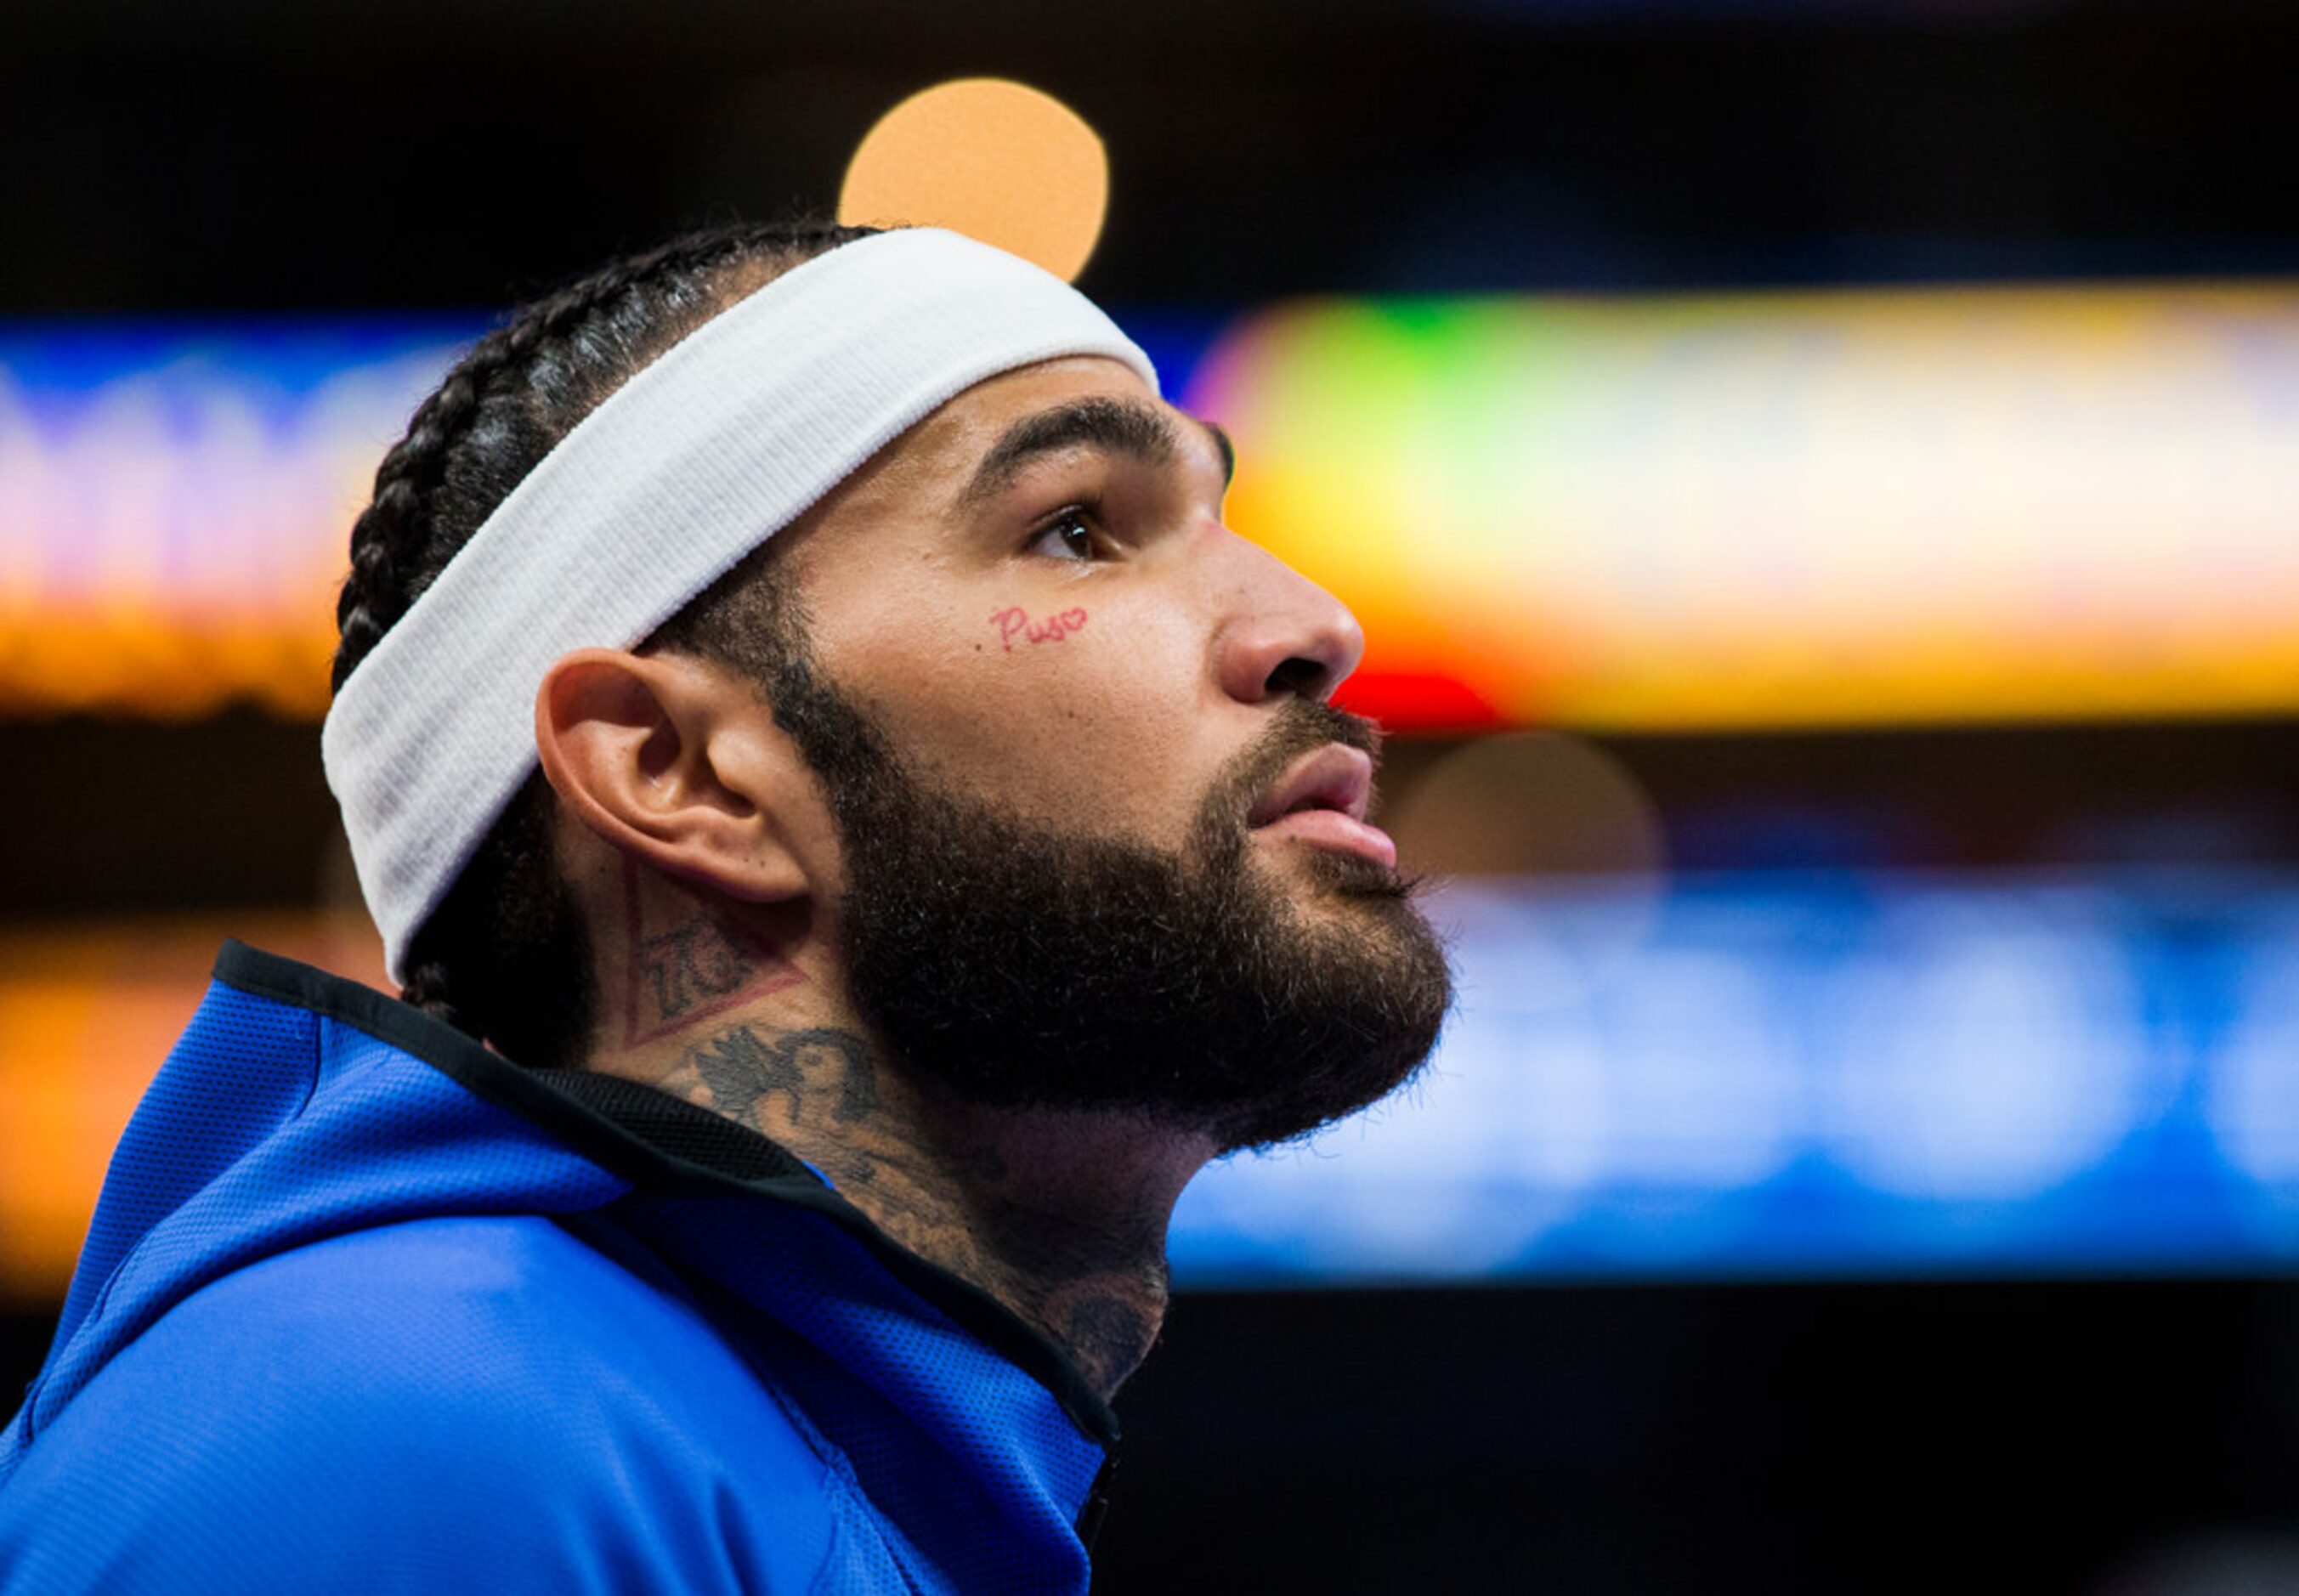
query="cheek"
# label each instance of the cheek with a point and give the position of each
(1083, 709)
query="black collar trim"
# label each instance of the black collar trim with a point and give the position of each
(662, 1145)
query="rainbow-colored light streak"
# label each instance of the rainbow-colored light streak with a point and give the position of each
(1779, 511)
(175, 504)
(1749, 511)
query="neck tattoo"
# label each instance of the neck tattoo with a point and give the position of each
(1091, 1276)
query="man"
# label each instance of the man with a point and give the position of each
(798, 705)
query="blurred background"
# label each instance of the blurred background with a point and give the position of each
(1822, 480)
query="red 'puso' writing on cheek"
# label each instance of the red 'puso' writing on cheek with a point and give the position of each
(1016, 623)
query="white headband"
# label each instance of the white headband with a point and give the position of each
(729, 437)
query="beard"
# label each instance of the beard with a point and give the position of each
(1024, 965)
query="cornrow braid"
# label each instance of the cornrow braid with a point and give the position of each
(505, 957)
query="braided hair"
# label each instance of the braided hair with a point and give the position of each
(505, 957)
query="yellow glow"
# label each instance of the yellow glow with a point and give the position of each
(1783, 510)
(993, 159)
(1649, 513)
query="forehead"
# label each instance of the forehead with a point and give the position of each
(965, 430)
(923, 480)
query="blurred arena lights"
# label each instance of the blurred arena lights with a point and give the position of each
(1769, 511)
(1774, 1075)
(990, 158)
(1799, 1075)
(1647, 514)
(176, 505)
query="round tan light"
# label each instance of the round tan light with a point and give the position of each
(1529, 804)
(995, 159)
(1567, 822)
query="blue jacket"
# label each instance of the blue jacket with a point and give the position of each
(365, 1308)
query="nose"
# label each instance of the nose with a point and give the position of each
(1283, 634)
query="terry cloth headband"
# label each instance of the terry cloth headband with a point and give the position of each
(700, 458)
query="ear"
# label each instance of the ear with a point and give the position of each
(676, 764)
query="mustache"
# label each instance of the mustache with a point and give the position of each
(1303, 726)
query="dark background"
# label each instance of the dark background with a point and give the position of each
(261, 155)
(256, 156)
(1908, 1436)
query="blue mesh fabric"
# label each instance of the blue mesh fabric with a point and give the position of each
(343, 1323)
(889, 1380)
(242, 1070)
(336, 1131)
(439, 1406)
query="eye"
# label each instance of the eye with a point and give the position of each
(1068, 536)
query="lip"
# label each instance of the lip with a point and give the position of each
(1335, 777)
(1322, 800)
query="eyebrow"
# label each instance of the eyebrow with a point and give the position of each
(1143, 432)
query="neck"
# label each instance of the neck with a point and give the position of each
(1059, 1214)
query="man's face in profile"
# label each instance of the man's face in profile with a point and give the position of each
(1101, 842)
